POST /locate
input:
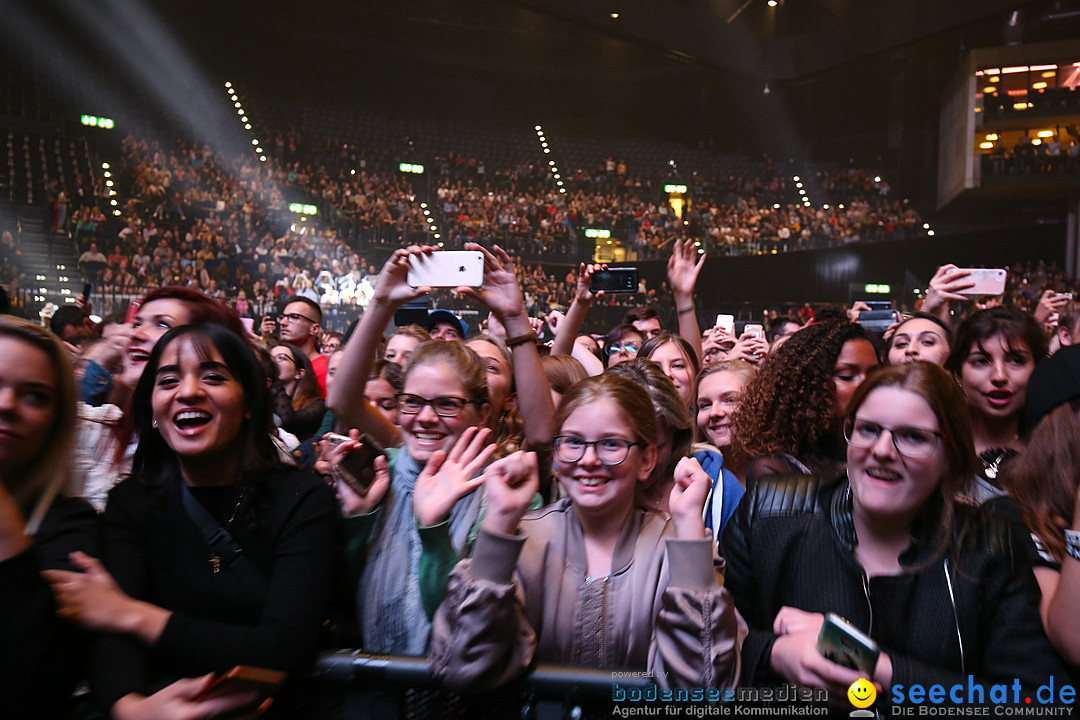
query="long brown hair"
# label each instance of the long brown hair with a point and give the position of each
(1043, 480)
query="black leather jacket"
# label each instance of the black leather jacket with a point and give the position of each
(970, 611)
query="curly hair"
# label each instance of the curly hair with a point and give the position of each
(790, 404)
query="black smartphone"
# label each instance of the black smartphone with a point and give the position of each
(357, 468)
(615, 280)
(86, 290)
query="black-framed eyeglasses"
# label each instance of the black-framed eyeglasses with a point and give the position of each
(910, 442)
(297, 317)
(609, 451)
(444, 405)
(631, 348)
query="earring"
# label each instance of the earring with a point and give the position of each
(153, 423)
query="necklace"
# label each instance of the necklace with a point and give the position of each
(991, 468)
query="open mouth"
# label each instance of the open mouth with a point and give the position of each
(999, 397)
(883, 475)
(188, 421)
(136, 355)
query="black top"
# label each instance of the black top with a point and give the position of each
(157, 554)
(791, 542)
(42, 657)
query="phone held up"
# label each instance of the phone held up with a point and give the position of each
(357, 468)
(614, 280)
(447, 268)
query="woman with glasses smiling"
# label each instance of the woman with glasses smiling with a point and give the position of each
(418, 517)
(889, 549)
(595, 579)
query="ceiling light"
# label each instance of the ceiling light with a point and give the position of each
(614, 16)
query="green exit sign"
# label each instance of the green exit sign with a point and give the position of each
(675, 189)
(95, 121)
(411, 168)
(303, 209)
(597, 233)
(878, 289)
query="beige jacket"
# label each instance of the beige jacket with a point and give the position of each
(526, 598)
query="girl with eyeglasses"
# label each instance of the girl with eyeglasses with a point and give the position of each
(889, 549)
(594, 579)
(425, 496)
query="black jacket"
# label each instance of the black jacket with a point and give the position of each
(791, 543)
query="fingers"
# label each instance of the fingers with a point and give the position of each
(87, 564)
(462, 443)
(434, 463)
(477, 444)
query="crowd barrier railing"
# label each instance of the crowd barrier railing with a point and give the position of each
(385, 687)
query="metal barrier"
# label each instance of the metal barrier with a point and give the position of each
(376, 686)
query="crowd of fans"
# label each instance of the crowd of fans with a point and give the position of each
(189, 216)
(503, 501)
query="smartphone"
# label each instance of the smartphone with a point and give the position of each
(754, 330)
(86, 290)
(847, 645)
(248, 323)
(244, 679)
(878, 321)
(449, 268)
(726, 323)
(357, 468)
(879, 304)
(988, 281)
(615, 280)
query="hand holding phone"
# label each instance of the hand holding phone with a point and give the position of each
(448, 268)
(242, 679)
(844, 644)
(357, 468)
(614, 280)
(986, 281)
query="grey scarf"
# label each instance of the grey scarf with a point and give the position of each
(392, 618)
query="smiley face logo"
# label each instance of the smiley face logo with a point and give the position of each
(862, 693)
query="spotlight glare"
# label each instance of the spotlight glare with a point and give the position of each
(254, 142)
(104, 166)
(236, 104)
(537, 128)
(243, 118)
(773, 3)
(107, 174)
(263, 158)
(108, 183)
(228, 84)
(258, 149)
(247, 126)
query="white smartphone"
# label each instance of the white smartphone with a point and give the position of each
(449, 268)
(726, 323)
(988, 281)
(754, 330)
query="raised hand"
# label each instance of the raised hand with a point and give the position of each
(448, 478)
(687, 499)
(1050, 305)
(92, 598)
(683, 268)
(499, 292)
(511, 483)
(584, 280)
(945, 289)
(393, 286)
(749, 348)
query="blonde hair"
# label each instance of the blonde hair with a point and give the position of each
(50, 471)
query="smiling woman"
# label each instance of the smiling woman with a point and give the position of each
(932, 581)
(214, 554)
(595, 579)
